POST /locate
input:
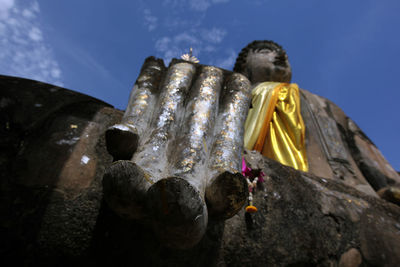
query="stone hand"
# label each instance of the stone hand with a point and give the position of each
(178, 150)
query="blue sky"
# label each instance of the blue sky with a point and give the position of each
(347, 51)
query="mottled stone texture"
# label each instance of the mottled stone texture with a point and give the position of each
(186, 161)
(337, 149)
(53, 156)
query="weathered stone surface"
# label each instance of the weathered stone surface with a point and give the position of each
(52, 210)
(52, 161)
(351, 258)
(327, 141)
(391, 194)
(122, 139)
(373, 165)
(355, 158)
(304, 219)
(191, 141)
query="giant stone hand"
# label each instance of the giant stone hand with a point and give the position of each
(178, 150)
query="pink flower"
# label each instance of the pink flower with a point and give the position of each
(246, 171)
(260, 177)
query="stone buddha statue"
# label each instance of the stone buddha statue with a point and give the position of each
(178, 149)
(177, 152)
(304, 130)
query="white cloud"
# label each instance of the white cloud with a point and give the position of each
(199, 5)
(168, 48)
(23, 51)
(203, 5)
(150, 21)
(28, 14)
(202, 40)
(215, 35)
(228, 61)
(182, 28)
(163, 44)
(35, 34)
(195, 5)
(220, 1)
(5, 7)
(185, 38)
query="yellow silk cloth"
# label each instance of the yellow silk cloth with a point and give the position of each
(274, 125)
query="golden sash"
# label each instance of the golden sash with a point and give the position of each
(274, 125)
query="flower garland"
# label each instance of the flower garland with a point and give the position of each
(252, 180)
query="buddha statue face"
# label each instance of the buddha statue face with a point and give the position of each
(264, 61)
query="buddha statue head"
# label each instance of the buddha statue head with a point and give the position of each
(264, 61)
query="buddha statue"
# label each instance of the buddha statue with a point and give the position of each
(178, 148)
(304, 130)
